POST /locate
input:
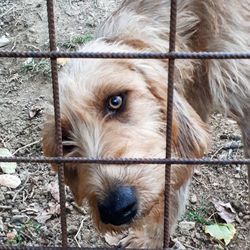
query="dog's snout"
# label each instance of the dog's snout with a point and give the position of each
(119, 207)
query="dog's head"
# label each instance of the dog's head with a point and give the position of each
(117, 108)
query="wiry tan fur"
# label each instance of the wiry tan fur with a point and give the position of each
(201, 86)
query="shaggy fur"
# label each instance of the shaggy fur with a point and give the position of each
(201, 86)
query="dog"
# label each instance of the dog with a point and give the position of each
(117, 108)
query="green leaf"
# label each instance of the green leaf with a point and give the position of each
(224, 232)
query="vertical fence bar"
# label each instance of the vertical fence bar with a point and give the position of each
(58, 128)
(171, 64)
(58, 131)
(248, 172)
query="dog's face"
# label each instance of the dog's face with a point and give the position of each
(117, 108)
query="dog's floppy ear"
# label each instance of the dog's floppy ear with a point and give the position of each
(73, 175)
(48, 138)
(191, 139)
(189, 133)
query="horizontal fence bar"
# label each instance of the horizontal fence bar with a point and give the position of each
(4, 247)
(123, 161)
(122, 55)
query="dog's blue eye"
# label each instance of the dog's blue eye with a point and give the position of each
(115, 102)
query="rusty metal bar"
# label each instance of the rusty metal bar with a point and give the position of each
(121, 55)
(171, 65)
(58, 127)
(248, 174)
(168, 161)
(4, 247)
(125, 161)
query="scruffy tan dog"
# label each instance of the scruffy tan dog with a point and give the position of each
(117, 108)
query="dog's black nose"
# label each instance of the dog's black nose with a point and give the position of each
(119, 207)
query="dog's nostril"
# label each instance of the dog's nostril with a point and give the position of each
(128, 209)
(119, 207)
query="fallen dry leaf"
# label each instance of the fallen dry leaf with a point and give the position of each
(53, 189)
(225, 211)
(224, 232)
(43, 217)
(54, 210)
(34, 111)
(7, 167)
(4, 41)
(11, 181)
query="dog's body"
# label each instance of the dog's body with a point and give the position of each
(117, 108)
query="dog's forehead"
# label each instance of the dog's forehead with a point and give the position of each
(86, 84)
(87, 77)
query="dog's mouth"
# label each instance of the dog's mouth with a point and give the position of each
(119, 207)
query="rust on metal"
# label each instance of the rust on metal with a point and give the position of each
(172, 55)
(170, 96)
(4, 247)
(125, 161)
(58, 125)
(129, 55)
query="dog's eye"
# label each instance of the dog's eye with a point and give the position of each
(115, 103)
(68, 147)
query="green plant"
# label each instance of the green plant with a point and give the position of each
(77, 40)
(22, 231)
(37, 65)
(202, 214)
(198, 216)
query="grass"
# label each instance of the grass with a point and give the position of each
(75, 41)
(37, 66)
(197, 216)
(43, 65)
(29, 229)
(201, 214)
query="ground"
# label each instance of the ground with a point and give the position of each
(29, 213)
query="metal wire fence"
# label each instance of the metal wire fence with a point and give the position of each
(168, 161)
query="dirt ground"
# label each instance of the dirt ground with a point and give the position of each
(29, 213)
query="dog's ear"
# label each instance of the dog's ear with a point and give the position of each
(74, 176)
(191, 137)
(48, 138)
(154, 75)
(189, 132)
